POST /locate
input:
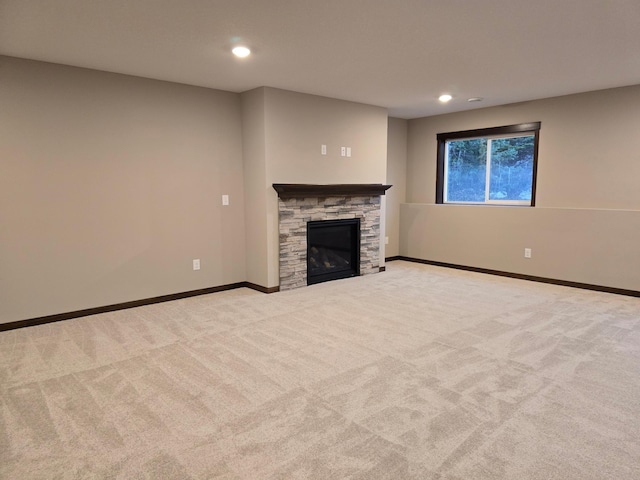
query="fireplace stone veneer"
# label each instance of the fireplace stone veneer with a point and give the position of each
(297, 206)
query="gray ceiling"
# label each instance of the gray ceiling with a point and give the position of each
(397, 54)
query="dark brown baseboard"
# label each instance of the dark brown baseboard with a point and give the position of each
(520, 276)
(135, 303)
(204, 291)
(260, 288)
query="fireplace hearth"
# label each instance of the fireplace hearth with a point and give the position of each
(333, 250)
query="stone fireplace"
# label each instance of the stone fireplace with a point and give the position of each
(299, 204)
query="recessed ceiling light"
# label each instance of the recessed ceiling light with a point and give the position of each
(444, 98)
(475, 99)
(241, 51)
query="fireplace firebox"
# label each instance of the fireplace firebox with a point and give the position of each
(333, 249)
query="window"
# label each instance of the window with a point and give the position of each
(488, 166)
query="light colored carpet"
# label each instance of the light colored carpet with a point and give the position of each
(416, 373)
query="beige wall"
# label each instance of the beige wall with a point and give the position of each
(255, 179)
(296, 125)
(598, 247)
(396, 176)
(584, 226)
(110, 185)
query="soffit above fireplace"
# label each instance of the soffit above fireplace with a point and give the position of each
(302, 190)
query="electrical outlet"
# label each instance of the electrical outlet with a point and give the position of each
(348, 151)
(225, 200)
(323, 149)
(527, 253)
(343, 151)
(196, 264)
(386, 240)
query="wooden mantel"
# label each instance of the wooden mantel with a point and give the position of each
(302, 190)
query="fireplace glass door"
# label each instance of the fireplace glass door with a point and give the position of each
(333, 250)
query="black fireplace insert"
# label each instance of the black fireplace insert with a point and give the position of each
(333, 250)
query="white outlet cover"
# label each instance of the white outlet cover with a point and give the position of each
(323, 149)
(348, 151)
(196, 264)
(225, 199)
